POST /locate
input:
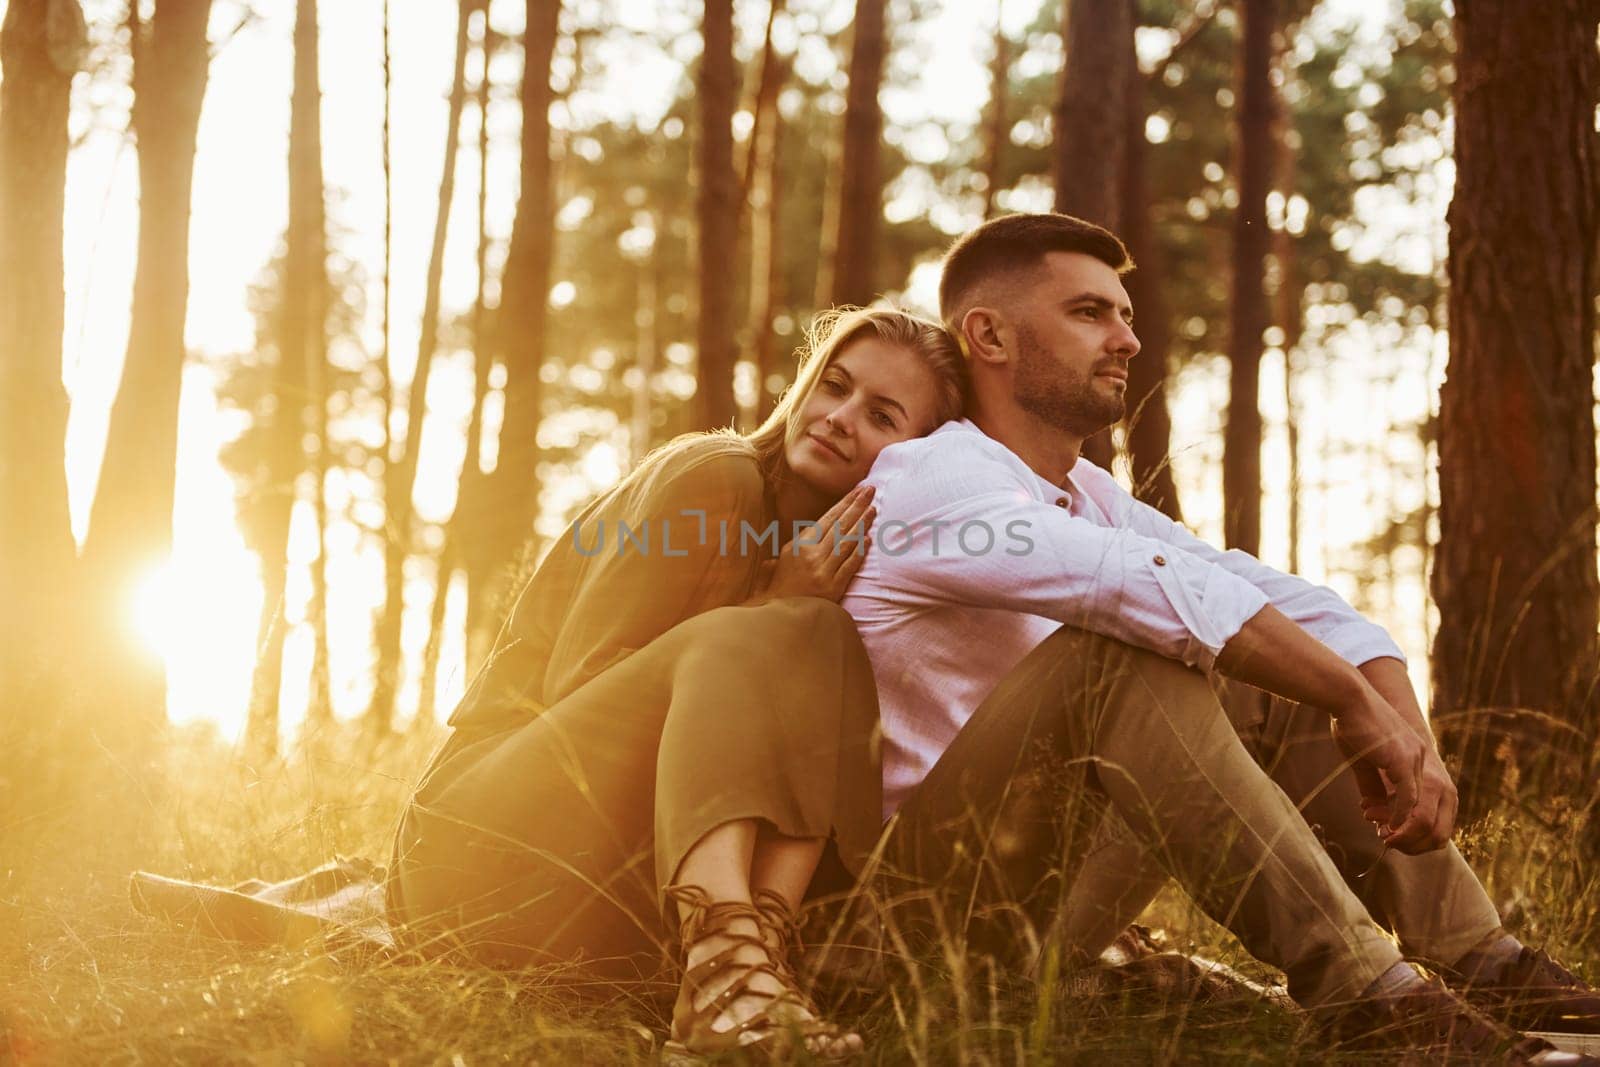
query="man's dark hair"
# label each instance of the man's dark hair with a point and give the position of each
(1014, 243)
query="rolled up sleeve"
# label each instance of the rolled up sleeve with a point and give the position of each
(1323, 613)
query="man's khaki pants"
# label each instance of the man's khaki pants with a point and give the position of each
(1023, 826)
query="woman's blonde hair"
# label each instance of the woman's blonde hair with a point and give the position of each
(828, 335)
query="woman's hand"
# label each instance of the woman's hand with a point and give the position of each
(826, 567)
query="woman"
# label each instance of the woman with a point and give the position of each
(677, 720)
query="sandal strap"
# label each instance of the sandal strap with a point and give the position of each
(699, 918)
(778, 919)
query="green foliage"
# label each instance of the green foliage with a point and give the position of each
(248, 386)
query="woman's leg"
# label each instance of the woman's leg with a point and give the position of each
(732, 862)
(784, 865)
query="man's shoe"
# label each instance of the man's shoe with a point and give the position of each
(1531, 991)
(1414, 1015)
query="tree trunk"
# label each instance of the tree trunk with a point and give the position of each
(1091, 126)
(38, 560)
(519, 333)
(467, 523)
(427, 695)
(393, 556)
(1289, 301)
(130, 525)
(717, 205)
(860, 207)
(298, 379)
(1091, 110)
(1515, 577)
(1148, 422)
(401, 479)
(1241, 461)
(996, 126)
(647, 344)
(763, 198)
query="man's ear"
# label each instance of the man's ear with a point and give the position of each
(980, 335)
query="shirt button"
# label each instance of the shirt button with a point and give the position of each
(1160, 561)
(1063, 502)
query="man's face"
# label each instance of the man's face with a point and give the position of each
(1073, 340)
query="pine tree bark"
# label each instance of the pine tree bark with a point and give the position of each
(1515, 576)
(1241, 462)
(1091, 128)
(717, 208)
(1091, 109)
(38, 559)
(298, 377)
(519, 332)
(859, 215)
(401, 479)
(1148, 422)
(130, 524)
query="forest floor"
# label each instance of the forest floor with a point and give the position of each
(86, 979)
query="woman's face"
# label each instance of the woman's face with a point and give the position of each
(872, 394)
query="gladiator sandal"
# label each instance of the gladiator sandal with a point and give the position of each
(780, 926)
(777, 1031)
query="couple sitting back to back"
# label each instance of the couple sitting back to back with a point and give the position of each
(677, 738)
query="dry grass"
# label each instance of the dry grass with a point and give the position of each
(85, 979)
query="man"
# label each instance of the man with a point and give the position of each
(1038, 639)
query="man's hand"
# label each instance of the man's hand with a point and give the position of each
(1404, 786)
(1405, 789)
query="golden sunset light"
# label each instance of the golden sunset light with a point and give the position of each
(358, 356)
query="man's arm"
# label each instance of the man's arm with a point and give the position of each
(1404, 786)
(958, 524)
(1321, 611)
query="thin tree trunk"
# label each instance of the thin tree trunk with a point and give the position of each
(1241, 464)
(996, 126)
(427, 697)
(38, 560)
(319, 706)
(860, 208)
(402, 478)
(1091, 128)
(301, 341)
(468, 521)
(1149, 424)
(763, 198)
(519, 334)
(393, 557)
(769, 82)
(646, 347)
(1290, 314)
(718, 212)
(130, 525)
(1515, 576)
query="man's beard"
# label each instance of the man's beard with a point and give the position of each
(1054, 395)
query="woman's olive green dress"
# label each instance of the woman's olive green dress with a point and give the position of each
(631, 704)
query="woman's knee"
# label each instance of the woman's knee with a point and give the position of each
(783, 626)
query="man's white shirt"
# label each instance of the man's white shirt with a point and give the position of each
(976, 559)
